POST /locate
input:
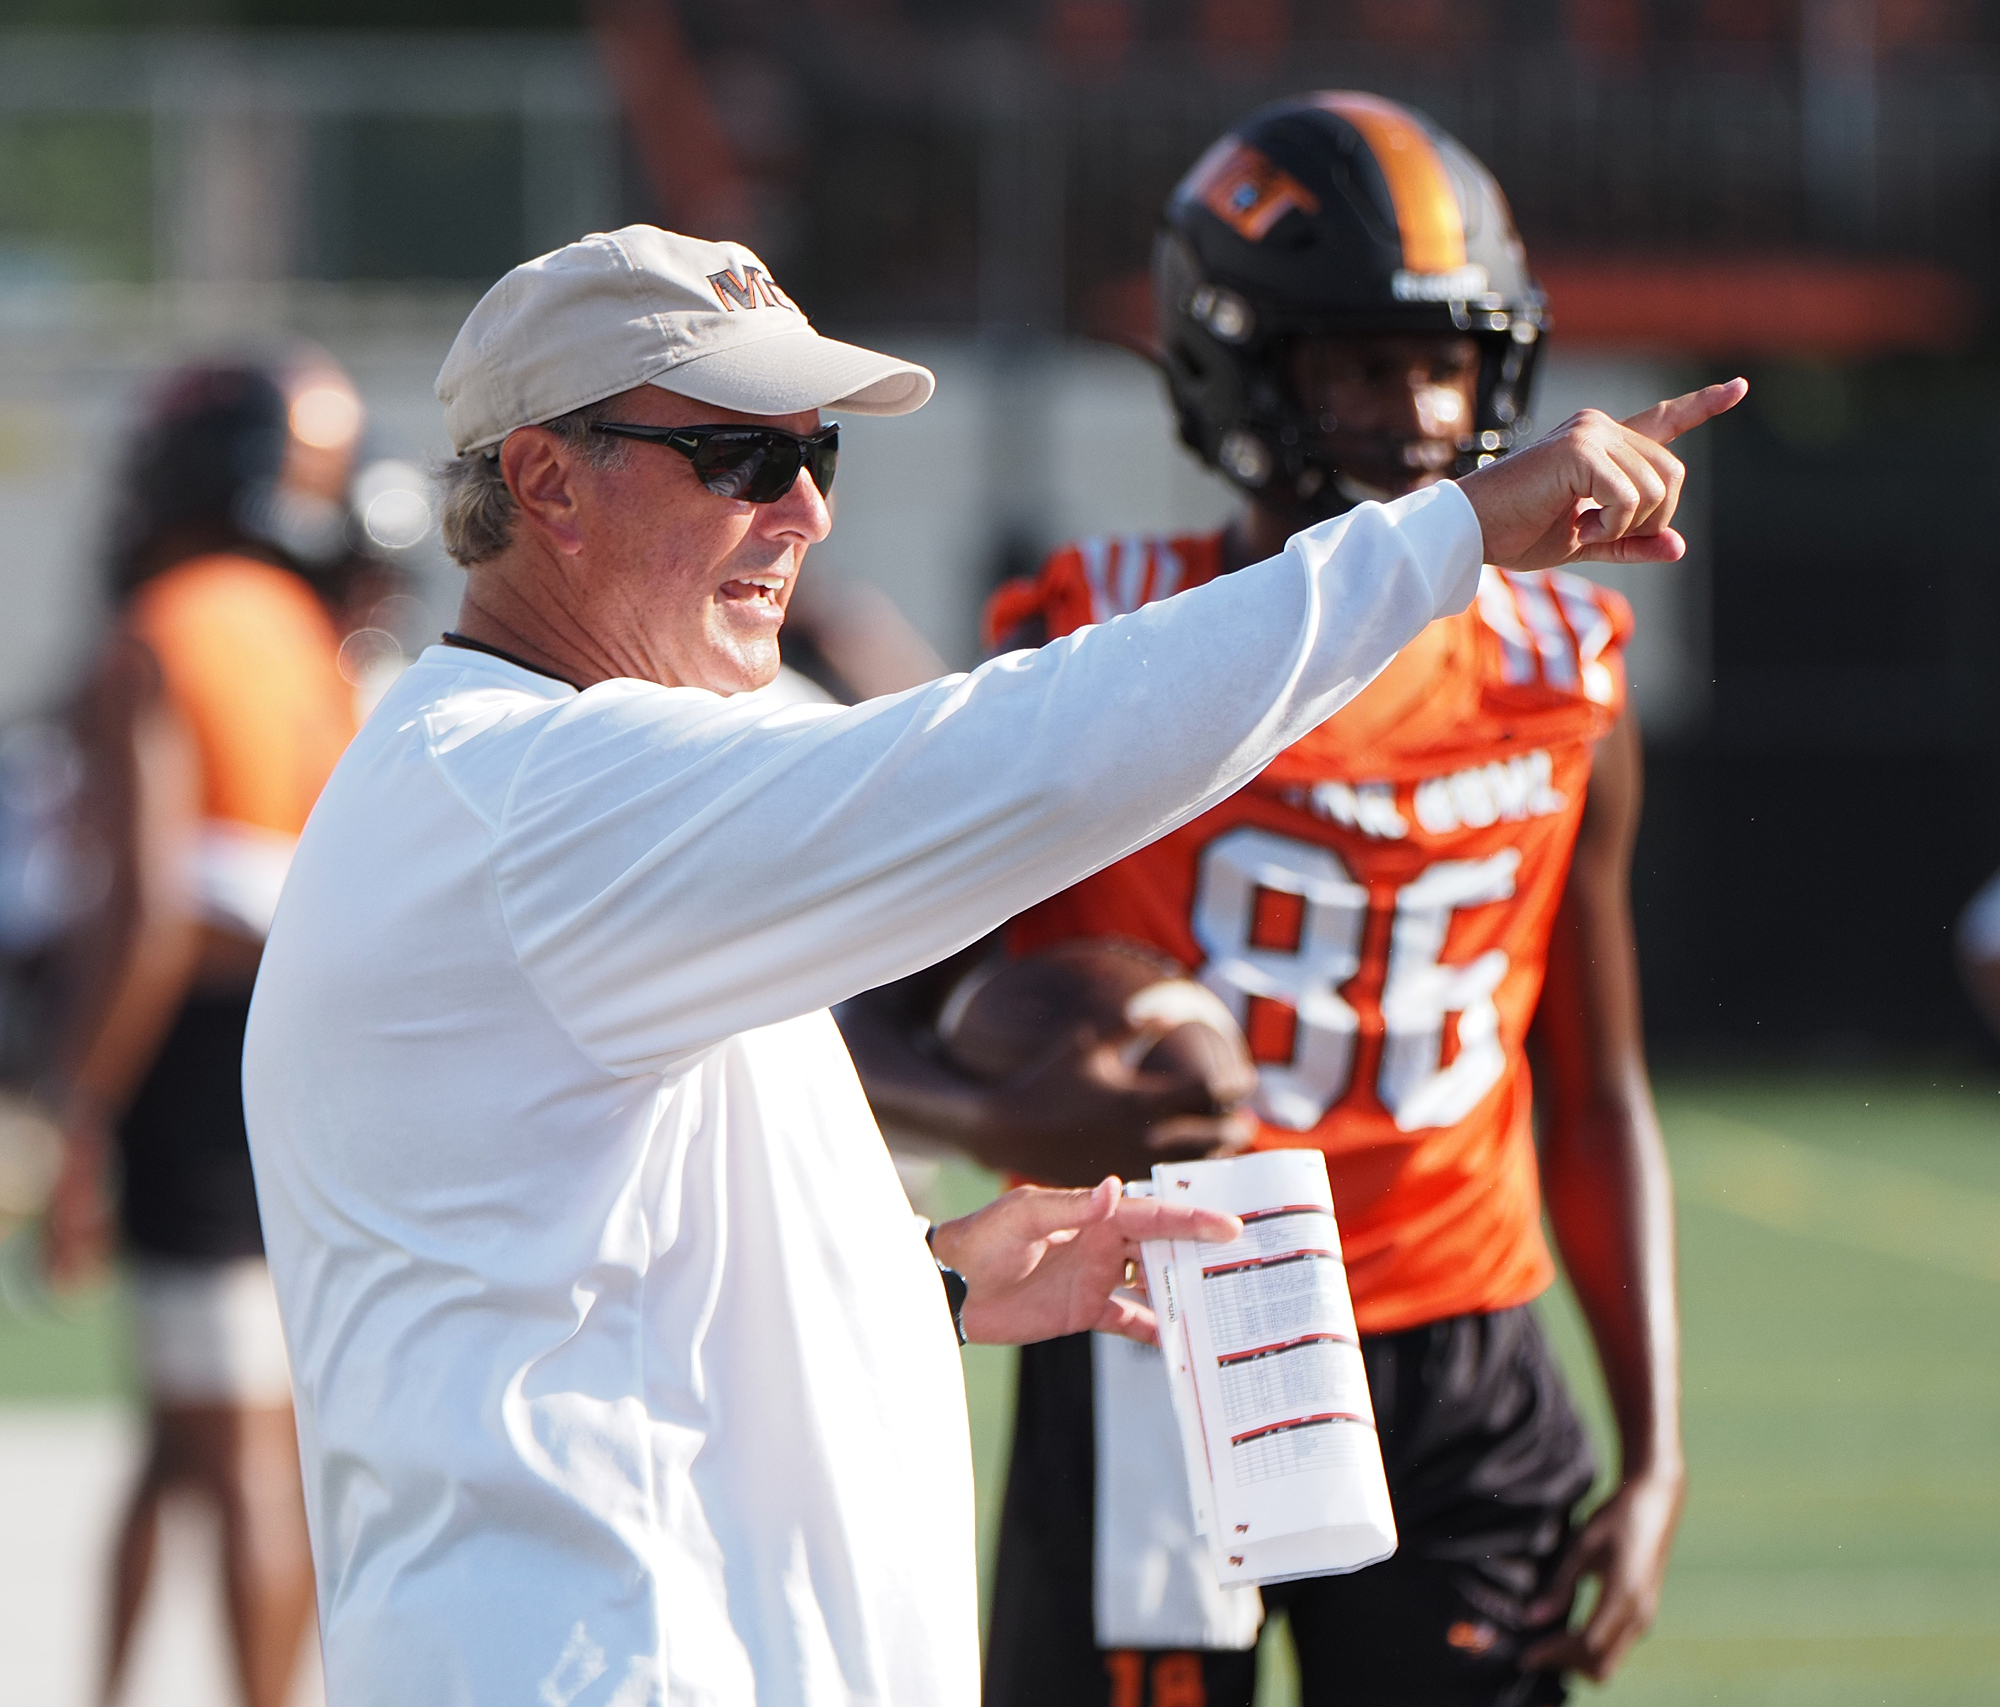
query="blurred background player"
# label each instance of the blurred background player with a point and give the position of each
(209, 722)
(1345, 313)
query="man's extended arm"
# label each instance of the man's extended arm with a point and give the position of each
(753, 864)
(1610, 1200)
(780, 861)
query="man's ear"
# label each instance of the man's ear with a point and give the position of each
(538, 467)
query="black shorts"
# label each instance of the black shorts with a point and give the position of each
(1486, 1459)
(187, 1191)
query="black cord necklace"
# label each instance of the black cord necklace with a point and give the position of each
(451, 638)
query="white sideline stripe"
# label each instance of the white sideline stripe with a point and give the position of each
(1863, 1204)
(1828, 1605)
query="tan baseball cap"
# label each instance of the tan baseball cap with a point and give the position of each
(644, 306)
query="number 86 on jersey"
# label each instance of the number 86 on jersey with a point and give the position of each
(1283, 927)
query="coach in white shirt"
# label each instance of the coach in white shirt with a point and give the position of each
(623, 1374)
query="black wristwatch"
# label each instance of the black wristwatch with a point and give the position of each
(954, 1289)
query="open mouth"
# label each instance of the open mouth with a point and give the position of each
(755, 590)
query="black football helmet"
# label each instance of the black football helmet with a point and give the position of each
(203, 471)
(1334, 212)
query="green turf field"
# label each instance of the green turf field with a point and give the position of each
(1840, 1243)
(1840, 1261)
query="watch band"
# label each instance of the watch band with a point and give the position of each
(955, 1289)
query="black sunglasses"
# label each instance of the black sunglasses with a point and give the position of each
(757, 464)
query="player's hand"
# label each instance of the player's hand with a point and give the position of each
(1624, 1547)
(1083, 1110)
(77, 1222)
(1039, 1264)
(1595, 490)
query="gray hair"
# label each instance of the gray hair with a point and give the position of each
(476, 511)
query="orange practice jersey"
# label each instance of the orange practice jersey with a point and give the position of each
(1376, 909)
(249, 657)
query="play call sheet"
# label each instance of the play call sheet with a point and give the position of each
(1268, 1379)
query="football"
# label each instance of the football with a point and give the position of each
(1005, 1013)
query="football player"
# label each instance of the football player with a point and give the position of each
(1403, 911)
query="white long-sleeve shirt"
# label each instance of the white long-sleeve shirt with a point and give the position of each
(623, 1375)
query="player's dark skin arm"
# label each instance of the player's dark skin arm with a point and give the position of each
(1069, 1118)
(1610, 1201)
(133, 961)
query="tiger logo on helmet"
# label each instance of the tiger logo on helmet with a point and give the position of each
(1337, 212)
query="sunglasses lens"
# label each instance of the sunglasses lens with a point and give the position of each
(761, 467)
(756, 467)
(822, 454)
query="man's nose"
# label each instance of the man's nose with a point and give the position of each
(803, 511)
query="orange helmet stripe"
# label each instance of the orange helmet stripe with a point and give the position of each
(1427, 214)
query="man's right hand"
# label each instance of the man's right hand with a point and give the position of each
(1080, 1111)
(1595, 490)
(1038, 1264)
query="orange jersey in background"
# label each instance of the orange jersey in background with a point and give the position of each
(1376, 907)
(250, 659)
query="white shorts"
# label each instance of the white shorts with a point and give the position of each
(208, 1332)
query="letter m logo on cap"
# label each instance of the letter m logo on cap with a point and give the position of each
(734, 290)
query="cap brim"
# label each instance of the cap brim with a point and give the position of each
(797, 371)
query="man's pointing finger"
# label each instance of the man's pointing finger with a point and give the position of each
(1665, 422)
